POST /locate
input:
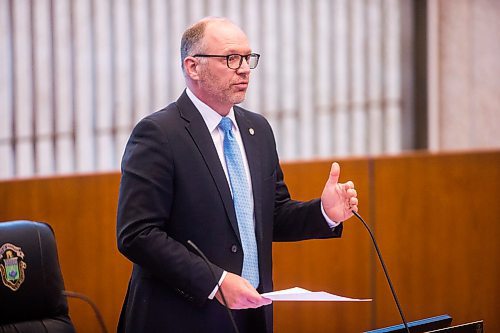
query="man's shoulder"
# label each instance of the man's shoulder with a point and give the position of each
(181, 110)
(166, 114)
(254, 117)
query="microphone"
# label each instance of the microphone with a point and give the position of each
(216, 282)
(385, 271)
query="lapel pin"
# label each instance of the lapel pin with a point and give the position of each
(252, 132)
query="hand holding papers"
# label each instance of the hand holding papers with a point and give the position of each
(299, 294)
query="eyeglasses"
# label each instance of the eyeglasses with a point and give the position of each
(234, 61)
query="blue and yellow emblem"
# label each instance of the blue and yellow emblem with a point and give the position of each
(12, 266)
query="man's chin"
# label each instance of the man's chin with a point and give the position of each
(239, 98)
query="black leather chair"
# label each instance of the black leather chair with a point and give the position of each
(31, 283)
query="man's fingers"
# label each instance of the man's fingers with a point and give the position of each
(266, 301)
(255, 299)
(262, 301)
(250, 302)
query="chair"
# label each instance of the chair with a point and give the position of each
(31, 283)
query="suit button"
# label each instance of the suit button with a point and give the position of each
(234, 248)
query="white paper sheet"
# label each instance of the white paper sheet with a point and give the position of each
(300, 294)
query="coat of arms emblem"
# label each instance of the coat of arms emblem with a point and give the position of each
(12, 266)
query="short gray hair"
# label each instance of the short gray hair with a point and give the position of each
(191, 39)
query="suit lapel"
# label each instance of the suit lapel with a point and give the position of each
(198, 130)
(250, 136)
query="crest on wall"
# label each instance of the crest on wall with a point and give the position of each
(12, 266)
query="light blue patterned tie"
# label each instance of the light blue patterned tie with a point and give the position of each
(243, 203)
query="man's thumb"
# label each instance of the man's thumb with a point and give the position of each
(334, 173)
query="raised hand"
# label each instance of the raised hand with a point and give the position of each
(339, 199)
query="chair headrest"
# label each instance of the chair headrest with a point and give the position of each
(31, 282)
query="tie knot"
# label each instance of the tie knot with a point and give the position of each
(225, 124)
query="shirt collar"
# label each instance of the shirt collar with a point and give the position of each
(210, 116)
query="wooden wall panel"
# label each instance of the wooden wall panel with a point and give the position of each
(82, 211)
(340, 266)
(435, 216)
(437, 223)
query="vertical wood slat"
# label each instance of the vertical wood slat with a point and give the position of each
(178, 21)
(105, 145)
(233, 11)
(341, 79)
(160, 57)
(84, 82)
(328, 82)
(269, 66)
(64, 93)
(23, 89)
(43, 109)
(196, 10)
(392, 88)
(123, 76)
(251, 20)
(374, 70)
(215, 7)
(6, 92)
(305, 83)
(434, 82)
(357, 101)
(288, 64)
(324, 60)
(140, 50)
(63, 81)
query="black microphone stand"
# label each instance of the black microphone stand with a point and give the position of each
(216, 282)
(385, 271)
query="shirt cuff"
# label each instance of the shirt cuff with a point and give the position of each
(331, 224)
(212, 295)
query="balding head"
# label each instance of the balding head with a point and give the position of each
(192, 39)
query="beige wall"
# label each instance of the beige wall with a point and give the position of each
(464, 86)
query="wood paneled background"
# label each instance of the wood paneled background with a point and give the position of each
(436, 218)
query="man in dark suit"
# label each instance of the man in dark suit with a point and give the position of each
(179, 183)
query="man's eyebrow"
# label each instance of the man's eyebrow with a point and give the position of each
(234, 51)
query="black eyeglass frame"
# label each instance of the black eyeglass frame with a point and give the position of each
(247, 58)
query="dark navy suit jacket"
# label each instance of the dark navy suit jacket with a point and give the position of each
(173, 189)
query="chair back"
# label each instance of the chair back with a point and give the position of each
(31, 283)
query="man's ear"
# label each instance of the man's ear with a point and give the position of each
(191, 68)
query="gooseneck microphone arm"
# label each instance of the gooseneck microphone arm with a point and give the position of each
(204, 257)
(385, 272)
(94, 307)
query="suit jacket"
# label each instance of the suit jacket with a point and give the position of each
(173, 189)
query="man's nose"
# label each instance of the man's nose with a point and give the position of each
(244, 68)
